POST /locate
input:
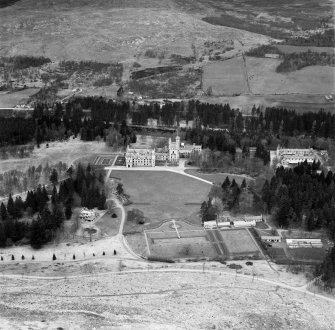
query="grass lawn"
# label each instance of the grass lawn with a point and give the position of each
(239, 242)
(109, 226)
(163, 195)
(215, 176)
(192, 242)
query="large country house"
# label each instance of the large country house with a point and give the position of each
(139, 155)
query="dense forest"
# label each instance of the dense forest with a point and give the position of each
(297, 61)
(302, 197)
(320, 39)
(50, 209)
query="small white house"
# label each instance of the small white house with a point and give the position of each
(87, 215)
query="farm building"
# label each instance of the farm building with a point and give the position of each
(304, 243)
(271, 239)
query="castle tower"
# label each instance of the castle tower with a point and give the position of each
(174, 149)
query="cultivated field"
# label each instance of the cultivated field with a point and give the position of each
(239, 243)
(161, 194)
(9, 100)
(264, 79)
(225, 77)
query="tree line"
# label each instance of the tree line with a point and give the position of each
(49, 209)
(320, 39)
(228, 197)
(297, 61)
(302, 197)
(20, 62)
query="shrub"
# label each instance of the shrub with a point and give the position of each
(249, 263)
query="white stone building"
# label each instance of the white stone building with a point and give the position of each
(139, 155)
(292, 157)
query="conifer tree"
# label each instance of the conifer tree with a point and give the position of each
(54, 177)
(3, 237)
(3, 212)
(68, 210)
(10, 206)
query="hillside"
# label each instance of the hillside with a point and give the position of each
(108, 30)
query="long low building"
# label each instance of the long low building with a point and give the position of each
(304, 243)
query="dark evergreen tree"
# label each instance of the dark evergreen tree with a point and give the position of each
(3, 212)
(54, 177)
(10, 206)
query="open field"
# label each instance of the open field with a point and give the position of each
(106, 30)
(161, 194)
(225, 77)
(264, 79)
(159, 300)
(73, 150)
(9, 100)
(107, 225)
(239, 243)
